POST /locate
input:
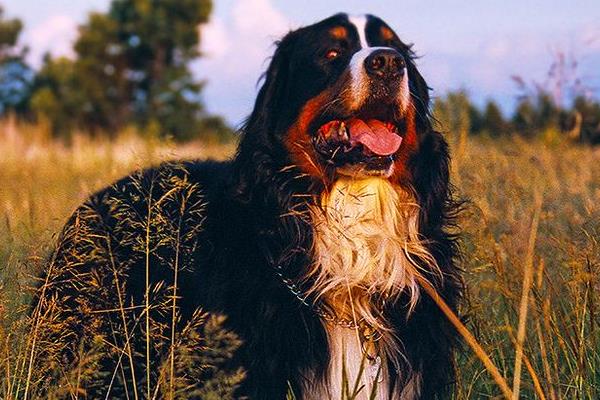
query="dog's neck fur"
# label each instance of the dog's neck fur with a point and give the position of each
(365, 246)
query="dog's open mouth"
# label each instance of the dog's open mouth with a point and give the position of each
(371, 142)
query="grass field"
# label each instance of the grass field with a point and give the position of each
(531, 246)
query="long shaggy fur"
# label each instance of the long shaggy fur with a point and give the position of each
(367, 252)
(366, 245)
(353, 246)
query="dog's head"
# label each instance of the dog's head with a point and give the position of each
(343, 97)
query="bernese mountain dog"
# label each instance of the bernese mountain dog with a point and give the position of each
(313, 240)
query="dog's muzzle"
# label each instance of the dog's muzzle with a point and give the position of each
(385, 65)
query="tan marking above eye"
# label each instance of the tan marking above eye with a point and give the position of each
(387, 33)
(339, 32)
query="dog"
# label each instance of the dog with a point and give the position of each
(313, 240)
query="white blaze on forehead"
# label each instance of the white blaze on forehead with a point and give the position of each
(360, 23)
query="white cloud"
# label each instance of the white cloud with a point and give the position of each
(55, 35)
(215, 39)
(259, 17)
(240, 46)
(237, 48)
(498, 48)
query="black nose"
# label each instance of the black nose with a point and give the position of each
(385, 64)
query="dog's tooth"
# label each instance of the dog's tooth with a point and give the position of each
(343, 132)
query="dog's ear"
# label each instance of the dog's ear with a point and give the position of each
(273, 92)
(419, 92)
(431, 172)
(257, 147)
(430, 168)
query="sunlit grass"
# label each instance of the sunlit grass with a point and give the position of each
(531, 248)
(504, 179)
(43, 182)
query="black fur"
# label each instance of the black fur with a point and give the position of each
(248, 221)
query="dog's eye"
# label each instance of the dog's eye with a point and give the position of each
(332, 53)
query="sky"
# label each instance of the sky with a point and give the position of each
(472, 45)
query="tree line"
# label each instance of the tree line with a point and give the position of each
(532, 117)
(131, 68)
(560, 106)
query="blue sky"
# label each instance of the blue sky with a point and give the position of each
(475, 45)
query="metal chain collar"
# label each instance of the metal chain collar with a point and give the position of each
(367, 332)
(369, 336)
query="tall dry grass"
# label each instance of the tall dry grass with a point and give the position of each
(43, 182)
(532, 265)
(531, 249)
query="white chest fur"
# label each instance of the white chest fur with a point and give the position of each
(347, 360)
(365, 234)
(345, 381)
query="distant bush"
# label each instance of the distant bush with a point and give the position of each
(532, 117)
(586, 118)
(131, 68)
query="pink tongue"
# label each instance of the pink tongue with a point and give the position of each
(374, 135)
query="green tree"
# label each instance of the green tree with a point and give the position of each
(101, 75)
(548, 112)
(132, 66)
(476, 119)
(524, 118)
(452, 113)
(493, 121)
(57, 98)
(589, 113)
(10, 29)
(15, 75)
(537, 114)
